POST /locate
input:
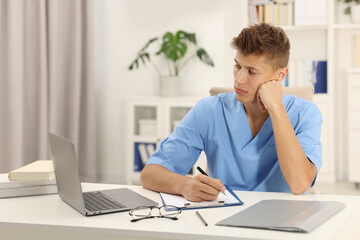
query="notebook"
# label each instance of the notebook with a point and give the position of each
(284, 215)
(69, 186)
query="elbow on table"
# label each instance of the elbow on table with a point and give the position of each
(299, 188)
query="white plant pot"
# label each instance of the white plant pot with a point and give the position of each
(170, 86)
(355, 13)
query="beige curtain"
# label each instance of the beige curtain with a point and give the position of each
(46, 80)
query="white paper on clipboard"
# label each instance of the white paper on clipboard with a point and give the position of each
(180, 201)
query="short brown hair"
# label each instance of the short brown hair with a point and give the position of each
(264, 39)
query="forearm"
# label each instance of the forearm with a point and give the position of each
(158, 178)
(296, 168)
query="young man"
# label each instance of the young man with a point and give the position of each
(254, 138)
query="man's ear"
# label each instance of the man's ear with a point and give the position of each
(282, 73)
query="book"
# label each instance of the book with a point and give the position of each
(143, 154)
(277, 13)
(38, 170)
(309, 72)
(261, 13)
(25, 188)
(358, 50)
(290, 14)
(150, 149)
(320, 68)
(28, 191)
(6, 183)
(267, 13)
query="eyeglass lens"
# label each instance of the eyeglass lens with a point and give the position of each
(143, 212)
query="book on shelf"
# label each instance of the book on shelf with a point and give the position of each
(308, 72)
(260, 14)
(320, 69)
(150, 149)
(143, 151)
(143, 154)
(10, 189)
(38, 170)
(357, 49)
(278, 13)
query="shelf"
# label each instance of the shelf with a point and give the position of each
(321, 97)
(305, 28)
(347, 26)
(353, 70)
(151, 99)
(165, 112)
(145, 139)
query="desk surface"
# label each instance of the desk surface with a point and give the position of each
(48, 217)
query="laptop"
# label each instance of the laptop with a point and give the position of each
(69, 186)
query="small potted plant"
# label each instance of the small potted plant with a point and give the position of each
(352, 9)
(175, 50)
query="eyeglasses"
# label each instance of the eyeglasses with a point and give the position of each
(144, 212)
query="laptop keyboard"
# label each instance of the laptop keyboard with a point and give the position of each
(96, 201)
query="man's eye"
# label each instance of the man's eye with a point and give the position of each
(237, 66)
(251, 72)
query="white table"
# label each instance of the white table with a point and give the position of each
(48, 217)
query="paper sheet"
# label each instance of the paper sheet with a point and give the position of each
(180, 201)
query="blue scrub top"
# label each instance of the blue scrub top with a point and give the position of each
(218, 125)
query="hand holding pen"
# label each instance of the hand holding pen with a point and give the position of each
(204, 173)
(201, 188)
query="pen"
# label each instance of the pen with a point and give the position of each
(201, 218)
(203, 172)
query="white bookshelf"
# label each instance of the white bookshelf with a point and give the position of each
(165, 112)
(317, 42)
(344, 33)
(353, 124)
(338, 38)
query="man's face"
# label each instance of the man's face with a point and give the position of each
(249, 73)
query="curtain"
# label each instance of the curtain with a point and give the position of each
(46, 81)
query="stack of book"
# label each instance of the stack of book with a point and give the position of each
(288, 12)
(278, 13)
(36, 178)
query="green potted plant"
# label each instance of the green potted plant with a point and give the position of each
(352, 9)
(174, 48)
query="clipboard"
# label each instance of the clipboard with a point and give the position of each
(231, 199)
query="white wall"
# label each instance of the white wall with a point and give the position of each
(122, 27)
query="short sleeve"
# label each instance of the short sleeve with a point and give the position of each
(309, 133)
(180, 151)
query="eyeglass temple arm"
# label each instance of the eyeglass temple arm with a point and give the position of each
(138, 219)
